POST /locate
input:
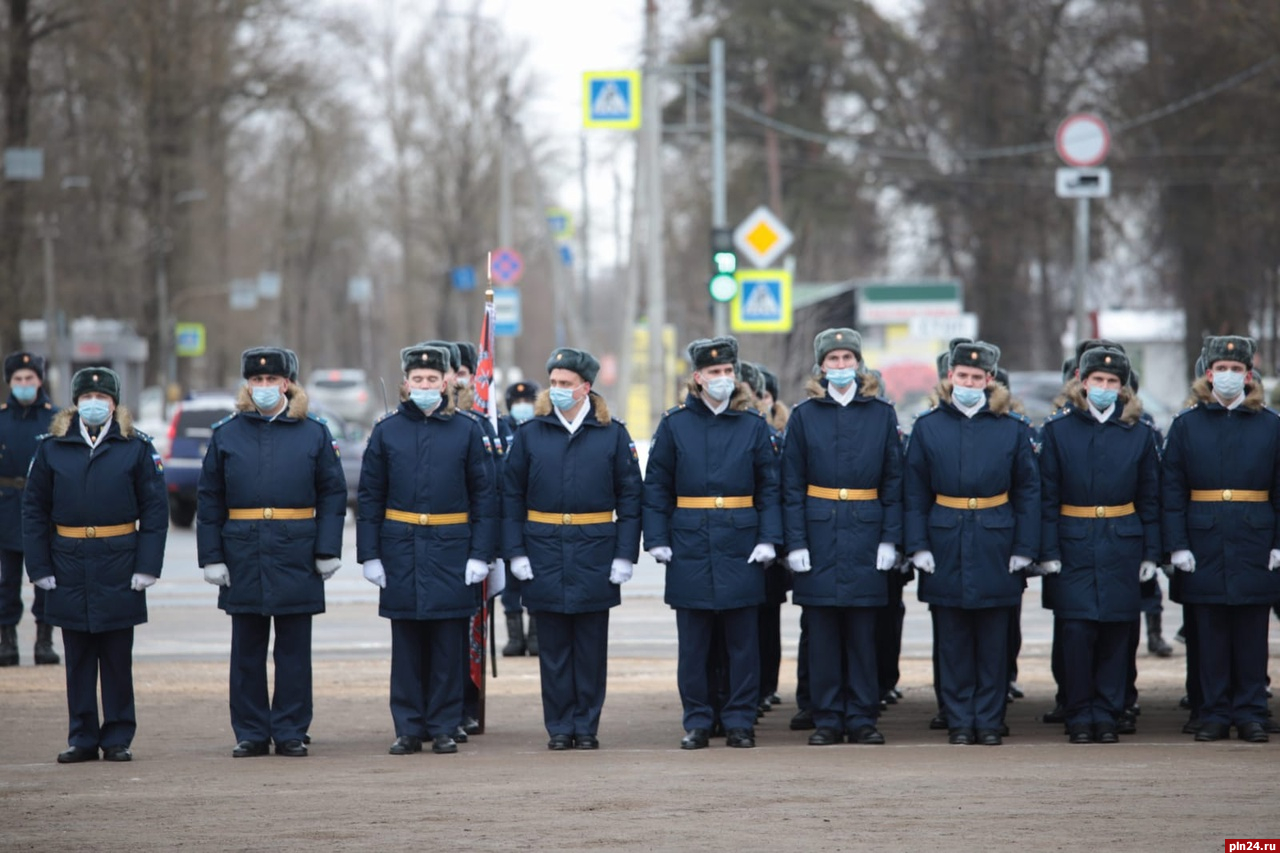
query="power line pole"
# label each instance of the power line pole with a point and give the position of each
(719, 213)
(47, 229)
(505, 345)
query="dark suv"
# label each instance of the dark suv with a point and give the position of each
(189, 434)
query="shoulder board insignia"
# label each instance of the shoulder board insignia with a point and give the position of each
(1019, 416)
(1184, 411)
(224, 420)
(42, 436)
(316, 418)
(142, 435)
(382, 417)
(673, 410)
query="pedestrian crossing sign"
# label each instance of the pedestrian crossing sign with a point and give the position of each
(611, 100)
(763, 303)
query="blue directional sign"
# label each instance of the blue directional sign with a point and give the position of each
(611, 99)
(506, 266)
(463, 278)
(763, 303)
(566, 254)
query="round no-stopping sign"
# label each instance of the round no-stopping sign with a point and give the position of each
(1083, 140)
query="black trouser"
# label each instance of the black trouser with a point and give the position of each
(972, 647)
(428, 669)
(109, 654)
(1095, 670)
(11, 590)
(804, 700)
(573, 658)
(739, 630)
(889, 638)
(842, 667)
(287, 715)
(1232, 662)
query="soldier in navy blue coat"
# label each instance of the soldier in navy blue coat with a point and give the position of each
(712, 514)
(94, 521)
(1100, 536)
(426, 532)
(521, 398)
(24, 416)
(972, 523)
(272, 500)
(572, 533)
(1221, 491)
(842, 511)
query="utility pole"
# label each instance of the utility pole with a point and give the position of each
(47, 229)
(584, 229)
(719, 213)
(1081, 268)
(505, 346)
(655, 290)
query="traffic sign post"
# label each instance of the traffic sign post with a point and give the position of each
(463, 278)
(1083, 141)
(611, 100)
(189, 339)
(506, 311)
(762, 237)
(763, 303)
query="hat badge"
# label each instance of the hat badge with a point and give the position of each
(839, 336)
(559, 356)
(25, 358)
(1231, 346)
(714, 354)
(424, 356)
(1108, 359)
(973, 356)
(95, 377)
(262, 360)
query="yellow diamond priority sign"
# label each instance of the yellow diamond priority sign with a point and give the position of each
(762, 237)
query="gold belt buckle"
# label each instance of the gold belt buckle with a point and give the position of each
(1226, 494)
(719, 503)
(422, 518)
(267, 513)
(973, 503)
(844, 494)
(567, 518)
(90, 532)
(1100, 512)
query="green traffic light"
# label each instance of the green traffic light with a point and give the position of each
(725, 262)
(723, 287)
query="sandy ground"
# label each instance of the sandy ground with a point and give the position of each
(1156, 790)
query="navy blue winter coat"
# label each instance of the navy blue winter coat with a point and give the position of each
(961, 457)
(1213, 448)
(120, 481)
(1085, 463)
(851, 447)
(435, 464)
(19, 427)
(254, 462)
(696, 453)
(593, 470)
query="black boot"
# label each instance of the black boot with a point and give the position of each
(8, 645)
(1155, 643)
(515, 647)
(44, 644)
(531, 639)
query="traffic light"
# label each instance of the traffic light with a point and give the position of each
(723, 285)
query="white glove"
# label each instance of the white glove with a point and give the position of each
(1147, 571)
(661, 553)
(521, 569)
(1050, 567)
(620, 571)
(217, 574)
(477, 570)
(138, 583)
(375, 574)
(46, 583)
(327, 567)
(762, 553)
(924, 561)
(1017, 564)
(886, 556)
(1183, 561)
(1274, 562)
(798, 560)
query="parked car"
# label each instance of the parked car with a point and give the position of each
(192, 427)
(343, 391)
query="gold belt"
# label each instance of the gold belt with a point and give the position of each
(271, 513)
(1229, 495)
(98, 532)
(973, 503)
(428, 519)
(720, 502)
(843, 494)
(1097, 511)
(571, 517)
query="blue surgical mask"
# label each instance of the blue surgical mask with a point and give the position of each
(425, 399)
(1228, 384)
(1102, 398)
(522, 411)
(842, 376)
(266, 397)
(24, 394)
(721, 388)
(967, 397)
(94, 412)
(562, 398)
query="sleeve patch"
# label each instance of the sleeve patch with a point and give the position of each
(634, 453)
(158, 462)
(488, 445)
(336, 451)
